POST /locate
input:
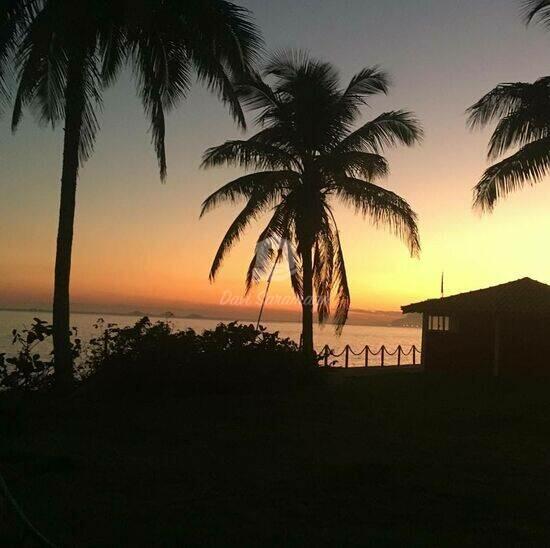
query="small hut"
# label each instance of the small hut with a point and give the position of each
(505, 328)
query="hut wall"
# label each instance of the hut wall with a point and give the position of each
(525, 344)
(468, 347)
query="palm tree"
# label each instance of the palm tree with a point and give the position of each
(306, 156)
(68, 51)
(522, 113)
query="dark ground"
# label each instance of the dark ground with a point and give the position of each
(399, 459)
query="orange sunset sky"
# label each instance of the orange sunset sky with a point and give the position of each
(140, 244)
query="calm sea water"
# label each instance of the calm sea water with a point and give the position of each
(357, 336)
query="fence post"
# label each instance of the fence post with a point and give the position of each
(398, 355)
(382, 355)
(347, 356)
(327, 350)
(414, 354)
(367, 356)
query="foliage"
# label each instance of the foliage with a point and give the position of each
(27, 370)
(53, 44)
(537, 10)
(148, 357)
(521, 112)
(61, 55)
(308, 155)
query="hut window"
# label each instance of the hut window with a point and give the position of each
(439, 323)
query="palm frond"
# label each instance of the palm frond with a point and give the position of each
(267, 182)
(92, 100)
(368, 81)
(295, 266)
(347, 104)
(382, 207)
(276, 136)
(257, 204)
(387, 130)
(41, 62)
(219, 80)
(12, 16)
(536, 10)
(255, 94)
(343, 296)
(247, 154)
(528, 165)
(269, 246)
(163, 78)
(226, 51)
(504, 100)
(522, 111)
(113, 50)
(168, 40)
(355, 164)
(323, 268)
(227, 30)
(518, 129)
(286, 64)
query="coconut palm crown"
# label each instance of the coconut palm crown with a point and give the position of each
(521, 111)
(307, 156)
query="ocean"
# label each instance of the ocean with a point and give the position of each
(357, 336)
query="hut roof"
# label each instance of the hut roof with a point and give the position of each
(520, 296)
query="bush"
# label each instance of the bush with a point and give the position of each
(230, 358)
(153, 357)
(27, 370)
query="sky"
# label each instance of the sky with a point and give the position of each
(140, 244)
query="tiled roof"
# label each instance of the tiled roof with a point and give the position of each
(520, 296)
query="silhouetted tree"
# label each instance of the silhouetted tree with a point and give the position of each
(308, 155)
(67, 51)
(522, 113)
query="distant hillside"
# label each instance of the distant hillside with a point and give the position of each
(385, 318)
(194, 316)
(408, 320)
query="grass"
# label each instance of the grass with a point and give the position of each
(382, 460)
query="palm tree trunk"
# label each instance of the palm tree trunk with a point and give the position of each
(307, 304)
(74, 106)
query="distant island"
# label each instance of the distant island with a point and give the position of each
(408, 320)
(195, 316)
(133, 313)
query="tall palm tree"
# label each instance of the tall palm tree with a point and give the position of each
(307, 155)
(522, 113)
(68, 51)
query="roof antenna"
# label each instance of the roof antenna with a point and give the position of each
(442, 284)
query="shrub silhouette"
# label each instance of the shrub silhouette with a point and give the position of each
(152, 357)
(231, 357)
(27, 370)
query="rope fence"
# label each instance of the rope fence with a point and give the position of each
(403, 358)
